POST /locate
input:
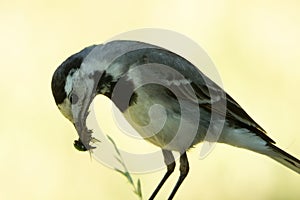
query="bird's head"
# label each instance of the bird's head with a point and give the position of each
(70, 98)
(62, 82)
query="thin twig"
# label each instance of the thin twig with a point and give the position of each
(137, 189)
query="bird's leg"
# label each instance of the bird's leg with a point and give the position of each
(170, 162)
(184, 170)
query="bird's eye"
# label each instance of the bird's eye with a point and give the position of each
(73, 98)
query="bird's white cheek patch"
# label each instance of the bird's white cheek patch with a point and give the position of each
(69, 83)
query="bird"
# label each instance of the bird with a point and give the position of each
(136, 76)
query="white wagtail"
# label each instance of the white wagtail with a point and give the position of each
(136, 76)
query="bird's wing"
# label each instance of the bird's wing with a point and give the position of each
(214, 99)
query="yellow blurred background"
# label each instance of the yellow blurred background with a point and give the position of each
(255, 46)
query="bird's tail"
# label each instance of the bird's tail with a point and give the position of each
(283, 158)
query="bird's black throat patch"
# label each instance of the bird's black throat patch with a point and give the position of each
(121, 91)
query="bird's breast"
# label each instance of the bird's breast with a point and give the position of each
(161, 120)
